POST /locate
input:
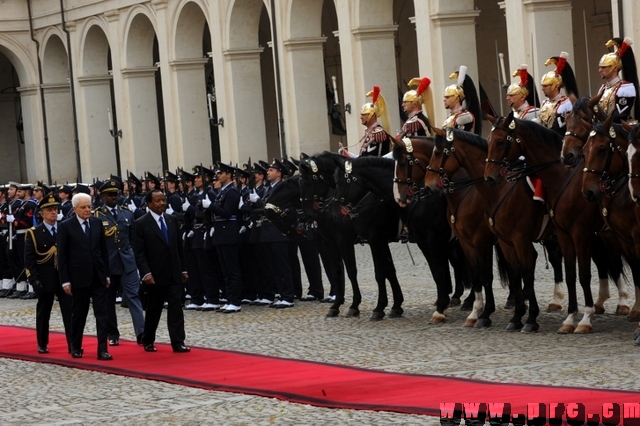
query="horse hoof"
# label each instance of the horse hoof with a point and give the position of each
(353, 313)
(376, 316)
(566, 329)
(622, 310)
(554, 307)
(435, 303)
(634, 316)
(396, 313)
(470, 322)
(530, 328)
(514, 326)
(599, 309)
(454, 302)
(437, 318)
(636, 334)
(510, 304)
(332, 313)
(583, 329)
(483, 323)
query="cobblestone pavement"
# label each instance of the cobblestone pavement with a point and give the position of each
(35, 393)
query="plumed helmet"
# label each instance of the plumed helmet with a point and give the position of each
(377, 107)
(457, 90)
(420, 95)
(554, 78)
(520, 88)
(618, 49)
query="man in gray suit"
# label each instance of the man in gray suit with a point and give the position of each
(118, 231)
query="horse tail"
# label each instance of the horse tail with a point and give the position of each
(502, 267)
(460, 264)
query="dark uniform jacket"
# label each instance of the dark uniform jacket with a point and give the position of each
(224, 208)
(119, 236)
(40, 258)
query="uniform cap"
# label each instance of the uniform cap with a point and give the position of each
(49, 201)
(111, 185)
(277, 164)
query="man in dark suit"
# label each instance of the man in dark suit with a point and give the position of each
(40, 257)
(83, 264)
(160, 259)
(118, 225)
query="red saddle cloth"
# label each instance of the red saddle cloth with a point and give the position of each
(536, 186)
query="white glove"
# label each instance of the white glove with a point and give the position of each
(132, 206)
(211, 231)
(206, 202)
(242, 230)
(241, 203)
(185, 206)
(253, 197)
(60, 216)
(190, 234)
(147, 209)
(184, 236)
(169, 210)
(10, 218)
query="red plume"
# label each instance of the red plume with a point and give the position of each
(424, 83)
(376, 92)
(562, 61)
(524, 77)
(626, 43)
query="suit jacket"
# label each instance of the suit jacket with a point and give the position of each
(119, 235)
(79, 257)
(40, 258)
(153, 255)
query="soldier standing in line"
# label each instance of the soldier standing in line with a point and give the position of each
(24, 220)
(14, 200)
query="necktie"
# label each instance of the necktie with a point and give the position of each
(114, 212)
(53, 231)
(163, 228)
(86, 227)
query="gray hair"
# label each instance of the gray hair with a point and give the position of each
(80, 197)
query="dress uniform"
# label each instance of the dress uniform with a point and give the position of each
(418, 105)
(118, 232)
(461, 100)
(556, 106)
(41, 268)
(618, 95)
(12, 270)
(65, 205)
(376, 141)
(522, 96)
(24, 219)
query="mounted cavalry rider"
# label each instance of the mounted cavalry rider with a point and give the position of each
(555, 108)
(522, 96)
(462, 101)
(418, 105)
(618, 95)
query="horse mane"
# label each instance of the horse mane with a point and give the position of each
(463, 136)
(398, 151)
(599, 128)
(540, 132)
(373, 162)
(582, 104)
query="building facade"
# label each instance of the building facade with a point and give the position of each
(93, 87)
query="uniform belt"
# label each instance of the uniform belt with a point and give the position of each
(21, 231)
(221, 219)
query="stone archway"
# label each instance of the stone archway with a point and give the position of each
(12, 138)
(57, 97)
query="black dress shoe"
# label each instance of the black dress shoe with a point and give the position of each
(16, 294)
(104, 356)
(150, 348)
(29, 295)
(139, 338)
(43, 350)
(76, 354)
(181, 348)
(114, 342)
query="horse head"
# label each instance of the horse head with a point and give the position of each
(605, 160)
(316, 183)
(411, 156)
(500, 153)
(437, 174)
(633, 155)
(578, 125)
(348, 188)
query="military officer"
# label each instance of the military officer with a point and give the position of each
(521, 96)
(556, 106)
(461, 100)
(418, 105)
(618, 96)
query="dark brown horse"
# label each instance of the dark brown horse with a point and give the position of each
(511, 138)
(579, 124)
(508, 211)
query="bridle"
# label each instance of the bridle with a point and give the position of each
(610, 185)
(349, 209)
(319, 203)
(412, 187)
(445, 182)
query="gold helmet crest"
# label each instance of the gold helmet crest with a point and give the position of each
(456, 90)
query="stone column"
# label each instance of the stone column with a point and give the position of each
(140, 141)
(452, 36)
(97, 146)
(306, 107)
(60, 128)
(244, 134)
(25, 162)
(191, 123)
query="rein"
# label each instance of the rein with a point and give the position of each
(609, 185)
(411, 160)
(448, 185)
(350, 209)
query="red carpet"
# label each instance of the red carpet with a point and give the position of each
(306, 382)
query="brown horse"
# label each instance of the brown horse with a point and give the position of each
(605, 181)
(579, 123)
(633, 156)
(516, 232)
(511, 138)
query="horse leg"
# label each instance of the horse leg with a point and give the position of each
(478, 306)
(460, 270)
(352, 272)
(634, 315)
(569, 254)
(484, 319)
(583, 252)
(528, 275)
(442, 277)
(335, 269)
(600, 258)
(555, 258)
(515, 288)
(381, 265)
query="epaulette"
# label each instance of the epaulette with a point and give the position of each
(626, 90)
(32, 228)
